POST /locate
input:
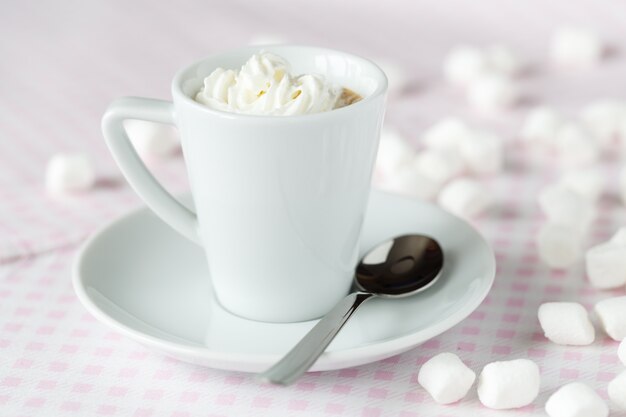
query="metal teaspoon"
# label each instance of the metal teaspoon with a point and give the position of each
(396, 268)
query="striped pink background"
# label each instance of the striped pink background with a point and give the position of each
(62, 62)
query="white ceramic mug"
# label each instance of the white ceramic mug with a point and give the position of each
(279, 200)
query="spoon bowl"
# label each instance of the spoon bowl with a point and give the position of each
(400, 267)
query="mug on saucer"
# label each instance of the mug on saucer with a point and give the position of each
(279, 200)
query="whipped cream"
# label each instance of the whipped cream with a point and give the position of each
(264, 85)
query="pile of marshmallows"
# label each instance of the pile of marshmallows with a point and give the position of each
(569, 204)
(569, 208)
(69, 173)
(452, 151)
(516, 383)
(455, 156)
(488, 75)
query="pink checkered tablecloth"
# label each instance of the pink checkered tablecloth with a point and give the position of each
(62, 62)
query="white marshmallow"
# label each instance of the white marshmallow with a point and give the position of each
(483, 153)
(576, 400)
(589, 183)
(575, 146)
(491, 93)
(397, 75)
(622, 184)
(541, 125)
(439, 165)
(575, 47)
(558, 245)
(612, 315)
(463, 64)
(606, 264)
(69, 173)
(509, 384)
(393, 151)
(621, 351)
(617, 390)
(446, 378)
(407, 180)
(446, 134)
(152, 139)
(465, 198)
(563, 206)
(566, 323)
(503, 60)
(604, 120)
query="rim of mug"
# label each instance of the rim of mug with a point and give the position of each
(380, 89)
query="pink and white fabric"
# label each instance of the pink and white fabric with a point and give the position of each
(62, 62)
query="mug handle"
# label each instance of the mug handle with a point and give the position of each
(169, 209)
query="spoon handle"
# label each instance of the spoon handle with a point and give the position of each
(303, 355)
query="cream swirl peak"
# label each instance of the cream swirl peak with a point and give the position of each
(265, 86)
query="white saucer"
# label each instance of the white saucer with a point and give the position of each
(144, 280)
